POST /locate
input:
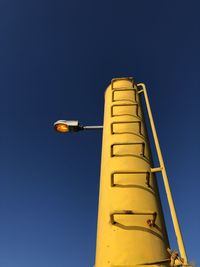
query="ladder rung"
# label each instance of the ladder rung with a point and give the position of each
(150, 222)
(146, 176)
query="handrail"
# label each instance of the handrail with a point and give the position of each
(165, 178)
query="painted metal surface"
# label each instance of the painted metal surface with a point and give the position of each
(131, 229)
(162, 169)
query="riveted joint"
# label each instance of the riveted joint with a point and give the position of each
(151, 222)
(175, 260)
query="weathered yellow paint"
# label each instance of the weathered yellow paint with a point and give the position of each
(131, 229)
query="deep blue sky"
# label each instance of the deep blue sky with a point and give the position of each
(56, 59)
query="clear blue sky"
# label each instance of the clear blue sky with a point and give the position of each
(56, 59)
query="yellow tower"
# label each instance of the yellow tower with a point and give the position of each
(131, 229)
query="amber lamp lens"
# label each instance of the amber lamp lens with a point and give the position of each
(62, 128)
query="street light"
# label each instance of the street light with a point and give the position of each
(116, 205)
(63, 126)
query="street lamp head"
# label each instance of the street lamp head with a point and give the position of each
(63, 126)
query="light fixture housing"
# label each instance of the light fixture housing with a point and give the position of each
(63, 126)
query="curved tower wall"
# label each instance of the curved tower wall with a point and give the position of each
(131, 228)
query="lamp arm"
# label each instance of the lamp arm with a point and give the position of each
(92, 127)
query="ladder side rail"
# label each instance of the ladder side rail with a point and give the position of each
(165, 178)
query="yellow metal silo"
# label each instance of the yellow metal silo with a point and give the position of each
(131, 229)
